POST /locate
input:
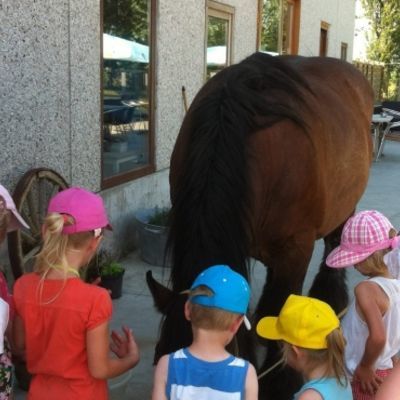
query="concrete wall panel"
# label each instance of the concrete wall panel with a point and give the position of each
(339, 14)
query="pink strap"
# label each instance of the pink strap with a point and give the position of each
(396, 242)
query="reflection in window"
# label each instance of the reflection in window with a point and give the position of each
(219, 27)
(287, 27)
(126, 90)
(279, 26)
(270, 25)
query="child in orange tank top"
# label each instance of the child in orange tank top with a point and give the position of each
(62, 323)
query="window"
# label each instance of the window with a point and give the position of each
(279, 26)
(323, 39)
(219, 37)
(343, 51)
(127, 90)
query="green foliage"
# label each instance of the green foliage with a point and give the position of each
(271, 12)
(160, 217)
(113, 268)
(217, 34)
(102, 264)
(128, 19)
(384, 37)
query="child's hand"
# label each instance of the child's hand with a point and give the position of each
(370, 382)
(125, 347)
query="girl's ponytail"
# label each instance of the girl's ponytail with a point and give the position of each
(54, 244)
(335, 352)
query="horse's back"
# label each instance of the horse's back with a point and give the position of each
(341, 133)
(317, 175)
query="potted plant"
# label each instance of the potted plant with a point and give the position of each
(111, 274)
(152, 233)
(106, 271)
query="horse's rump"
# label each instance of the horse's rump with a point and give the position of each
(273, 154)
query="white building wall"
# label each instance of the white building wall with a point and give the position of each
(340, 14)
(50, 91)
(181, 39)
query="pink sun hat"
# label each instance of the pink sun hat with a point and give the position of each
(363, 234)
(86, 208)
(17, 221)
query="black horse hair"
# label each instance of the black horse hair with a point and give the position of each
(209, 213)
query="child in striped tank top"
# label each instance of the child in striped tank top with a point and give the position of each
(218, 301)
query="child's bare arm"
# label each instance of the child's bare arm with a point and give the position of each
(367, 297)
(101, 365)
(251, 389)
(160, 379)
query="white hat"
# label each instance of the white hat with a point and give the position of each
(16, 220)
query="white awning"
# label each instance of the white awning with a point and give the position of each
(116, 48)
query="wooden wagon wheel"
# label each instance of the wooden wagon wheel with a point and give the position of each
(31, 197)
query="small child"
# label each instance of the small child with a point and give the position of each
(313, 345)
(371, 325)
(62, 323)
(218, 301)
(10, 220)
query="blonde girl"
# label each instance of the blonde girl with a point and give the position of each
(62, 323)
(372, 323)
(313, 345)
(10, 220)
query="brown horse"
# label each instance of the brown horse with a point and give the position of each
(273, 154)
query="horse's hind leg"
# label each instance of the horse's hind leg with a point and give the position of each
(286, 272)
(330, 283)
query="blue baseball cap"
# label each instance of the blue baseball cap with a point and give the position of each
(231, 292)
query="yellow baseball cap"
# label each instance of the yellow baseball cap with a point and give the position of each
(303, 321)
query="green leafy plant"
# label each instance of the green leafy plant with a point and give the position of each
(112, 268)
(103, 264)
(160, 217)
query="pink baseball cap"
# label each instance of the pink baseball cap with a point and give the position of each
(363, 234)
(86, 208)
(17, 221)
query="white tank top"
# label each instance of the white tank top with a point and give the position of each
(355, 330)
(392, 260)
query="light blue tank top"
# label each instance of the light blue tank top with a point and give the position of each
(192, 378)
(328, 388)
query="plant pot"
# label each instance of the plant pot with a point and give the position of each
(113, 284)
(151, 239)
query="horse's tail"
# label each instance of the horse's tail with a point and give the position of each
(211, 196)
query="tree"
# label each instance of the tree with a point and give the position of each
(384, 37)
(127, 19)
(271, 12)
(216, 32)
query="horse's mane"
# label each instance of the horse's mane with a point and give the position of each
(210, 197)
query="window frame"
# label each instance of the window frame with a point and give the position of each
(324, 27)
(295, 28)
(343, 51)
(149, 168)
(225, 12)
